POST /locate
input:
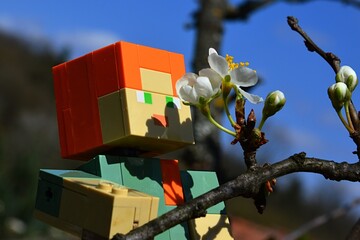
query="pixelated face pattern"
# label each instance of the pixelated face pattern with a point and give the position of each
(121, 97)
(145, 116)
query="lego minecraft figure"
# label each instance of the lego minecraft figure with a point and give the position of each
(117, 108)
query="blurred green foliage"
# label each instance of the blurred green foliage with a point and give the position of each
(28, 130)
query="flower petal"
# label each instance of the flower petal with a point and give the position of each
(252, 98)
(187, 79)
(187, 94)
(184, 88)
(218, 63)
(212, 50)
(244, 77)
(203, 87)
(215, 78)
(345, 72)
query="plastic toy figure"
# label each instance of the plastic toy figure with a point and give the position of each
(117, 108)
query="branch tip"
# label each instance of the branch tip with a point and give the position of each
(293, 22)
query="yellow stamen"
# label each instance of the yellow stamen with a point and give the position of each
(229, 58)
(230, 62)
(232, 65)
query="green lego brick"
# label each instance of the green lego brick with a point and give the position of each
(196, 183)
(92, 166)
(106, 167)
(48, 198)
(53, 176)
(180, 231)
(56, 176)
(144, 174)
(163, 236)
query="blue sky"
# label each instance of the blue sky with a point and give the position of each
(307, 122)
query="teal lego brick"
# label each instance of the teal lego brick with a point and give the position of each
(196, 183)
(56, 176)
(180, 231)
(142, 174)
(145, 175)
(48, 198)
(104, 166)
(163, 236)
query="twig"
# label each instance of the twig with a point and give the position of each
(321, 220)
(355, 231)
(334, 62)
(329, 57)
(246, 185)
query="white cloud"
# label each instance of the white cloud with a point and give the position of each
(304, 139)
(24, 28)
(79, 42)
(83, 41)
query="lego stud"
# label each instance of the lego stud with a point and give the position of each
(120, 190)
(105, 186)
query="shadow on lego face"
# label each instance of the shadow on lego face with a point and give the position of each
(146, 121)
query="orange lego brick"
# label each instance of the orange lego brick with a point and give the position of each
(177, 65)
(84, 115)
(66, 133)
(104, 69)
(173, 191)
(61, 86)
(154, 59)
(128, 63)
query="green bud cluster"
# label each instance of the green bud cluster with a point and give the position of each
(348, 76)
(339, 94)
(274, 102)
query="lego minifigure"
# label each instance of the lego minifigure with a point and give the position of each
(117, 108)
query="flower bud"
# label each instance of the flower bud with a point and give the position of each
(339, 94)
(273, 103)
(348, 76)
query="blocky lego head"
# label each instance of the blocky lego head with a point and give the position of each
(121, 99)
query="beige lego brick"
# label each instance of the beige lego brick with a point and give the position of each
(155, 81)
(212, 226)
(103, 207)
(145, 121)
(146, 113)
(111, 117)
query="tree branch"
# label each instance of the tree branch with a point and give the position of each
(334, 62)
(355, 231)
(329, 57)
(246, 185)
(323, 219)
(245, 9)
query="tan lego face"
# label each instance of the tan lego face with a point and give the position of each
(145, 119)
(158, 116)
